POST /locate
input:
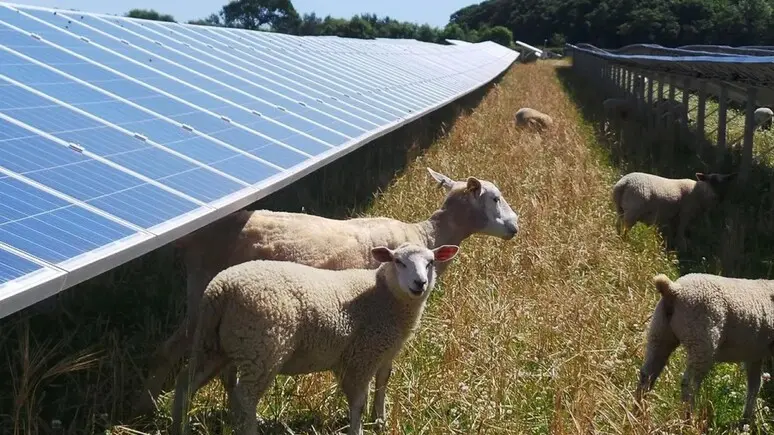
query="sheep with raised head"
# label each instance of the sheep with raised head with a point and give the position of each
(471, 207)
(716, 319)
(275, 317)
(655, 200)
(763, 117)
(534, 119)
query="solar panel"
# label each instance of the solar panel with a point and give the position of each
(120, 135)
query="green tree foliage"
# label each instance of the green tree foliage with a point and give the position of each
(212, 20)
(278, 15)
(615, 23)
(149, 14)
(498, 34)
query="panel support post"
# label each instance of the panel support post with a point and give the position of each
(749, 134)
(701, 113)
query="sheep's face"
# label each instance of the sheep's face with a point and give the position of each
(483, 207)
(414, 266)
(720, 183)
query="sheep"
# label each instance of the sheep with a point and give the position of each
(763, 117)
(528, 117)
(277, 317)
(650, 199)
(717, 319)
(677, 109)
(617, 110)
(471, 207)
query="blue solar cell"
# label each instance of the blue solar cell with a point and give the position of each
(157, 62)
(187, 143)
(86, 179)
(13, 266)
(286, 66)
(227, 60)
(50, 228)
(255, 87)
(106, 141)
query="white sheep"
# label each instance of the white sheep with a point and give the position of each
(654, 200)
(528, 117)
(277, 317)
(716, 319)
(763, 117)
(471, 207)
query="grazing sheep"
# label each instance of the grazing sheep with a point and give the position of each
(665, 106)
(716, 319)
(527, 117)
(471, 207)
(650, 199)
(277, 317)
(763, 117)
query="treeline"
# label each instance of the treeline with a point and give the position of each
(615, 23)
(281, 16)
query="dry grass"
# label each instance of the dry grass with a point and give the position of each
(542, 334)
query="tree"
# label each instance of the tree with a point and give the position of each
(427, 33)
(310, 25)
(453, 31)
(149, 14)
(256, 14)
(212, 20)
(557, 40)
(498, 34)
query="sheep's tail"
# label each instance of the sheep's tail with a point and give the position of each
(668, 290)
(617, 196)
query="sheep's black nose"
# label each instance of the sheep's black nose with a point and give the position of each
(420, 283)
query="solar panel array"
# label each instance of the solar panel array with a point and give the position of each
(751, 66)
(120, 135)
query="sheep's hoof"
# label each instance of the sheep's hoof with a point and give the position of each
(379, 425)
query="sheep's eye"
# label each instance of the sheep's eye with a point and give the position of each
(400, 263)
(496, 199)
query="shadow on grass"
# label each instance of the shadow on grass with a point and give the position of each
(736, 239)
(72, 363)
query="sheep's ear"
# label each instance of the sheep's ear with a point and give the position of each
(701, 176)
(382, 254)
(445, 252)
(474, 185)
(442, 180)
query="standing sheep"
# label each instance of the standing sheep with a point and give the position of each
(654, 200)
(276, 317)
(763, 117)
(527, 117)
(471, 207)
(716, 319)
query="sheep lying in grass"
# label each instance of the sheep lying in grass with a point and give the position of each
(763, 117)
(654, 200)
(277, 317)
(716, 319)
(471, 207)
(528, 117)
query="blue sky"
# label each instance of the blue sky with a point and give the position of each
(434, 12)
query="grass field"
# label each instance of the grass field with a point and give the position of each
(541, 334)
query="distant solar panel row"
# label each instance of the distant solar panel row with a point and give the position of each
(120, 135)
(753, 67)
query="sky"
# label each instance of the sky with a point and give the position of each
(433, 12)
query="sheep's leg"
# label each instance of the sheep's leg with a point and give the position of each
(382, 376)
(204, 370)
(252, 384)
(753, 387)
(356, 389)
(175, 347)
(695, 372)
